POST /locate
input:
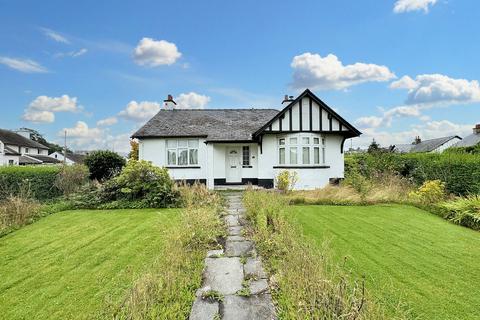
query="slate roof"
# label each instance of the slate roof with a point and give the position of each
(214, 124)
(469, 141)
(28, 160)
(424, 146)
(43, 158)
(75, 157)
(12, 138)
(11, 152)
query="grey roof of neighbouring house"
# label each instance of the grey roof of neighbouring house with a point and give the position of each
(214, 124)
(469, 141)
(11, 152)
(424, 146)
(42, 158)
(12, 138)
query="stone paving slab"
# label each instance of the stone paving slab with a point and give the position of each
(214, 253)
(236, 238)
(232, 221)
(238, 248)
(235, 231)
(224, 275)
(253, 267)
(258, 286)
(257, 307)
(204, 310)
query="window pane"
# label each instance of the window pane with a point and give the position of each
(182, 143)
(193, 143)
(306, 140)
(246, 156)
(281, 156)
(323, 155)
(293, 155)
(172, 157)
(293, 140)
(316, 155)
(316, 141)
(182, 157)
(193, 156)
(172, 143)
(306, 155)
(281, 142)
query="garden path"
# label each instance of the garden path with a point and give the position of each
(235, 285)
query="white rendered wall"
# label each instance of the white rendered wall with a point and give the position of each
(447, 145)
(308, 178)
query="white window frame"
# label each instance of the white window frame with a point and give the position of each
(186, 145)
(303, 141)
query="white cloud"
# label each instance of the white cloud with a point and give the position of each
(42, 109)
(314, 71)
(107, 122)
(413, 5)
(438, 89)
(23, 65)
(152, 53)
(72, 54)
(140, 111)
(192, 100)
(39, 116)
(55, 35)
(387, 117)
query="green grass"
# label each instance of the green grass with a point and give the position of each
(78, 264)
(407, 255)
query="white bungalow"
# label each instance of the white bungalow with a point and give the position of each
(240, 146)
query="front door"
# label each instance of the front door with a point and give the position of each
(233, 165)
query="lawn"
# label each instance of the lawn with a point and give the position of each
(78, 264)
(406, 254)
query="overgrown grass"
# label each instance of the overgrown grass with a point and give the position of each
(306, 282)
(167, 290)
(428, 266)
(380, 188)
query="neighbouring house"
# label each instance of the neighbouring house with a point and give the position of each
(470, 140)
(432, 145)
(240, 146)
(70, 158)
(16, 149)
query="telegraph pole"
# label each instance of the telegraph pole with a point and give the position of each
(65, 149)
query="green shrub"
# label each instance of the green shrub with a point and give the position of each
(286, 180)
(71, 178)
(463, 211)
(430, 192)
(104, 164)
(41, 181)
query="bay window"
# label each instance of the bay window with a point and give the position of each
(182, 152)
(302, 149)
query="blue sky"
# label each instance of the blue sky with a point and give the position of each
(395, 69)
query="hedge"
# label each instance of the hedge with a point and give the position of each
(39, 178)
(460, 172)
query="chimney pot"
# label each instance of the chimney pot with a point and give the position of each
(169, 103)
(287, 99)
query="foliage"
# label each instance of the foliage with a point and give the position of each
(463, 211)
(305, 283)
(17, 210)
(133, 155)
(286, 180)
(373, 147)
(471, 149)
(359, 183)
(71, 178)
(430, 192)
(41, 181)
(104, 164)
(459, 172)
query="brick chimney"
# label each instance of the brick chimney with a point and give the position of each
(287, 99)
(168, 103)
(476, 129)
(417, 140)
